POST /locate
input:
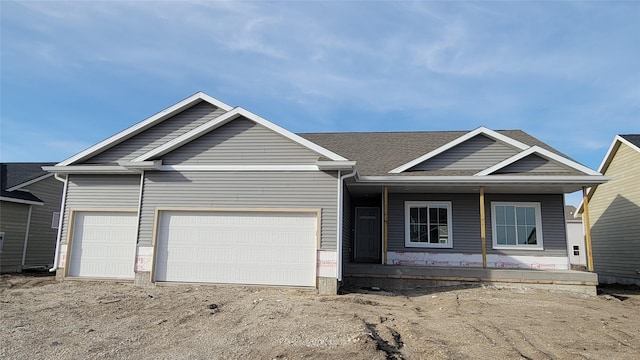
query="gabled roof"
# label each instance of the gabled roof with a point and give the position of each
(225, 118)
(540, 152)
(377, 153)
(144, 125)
(14, 176)
(479, 131)
(631, 140)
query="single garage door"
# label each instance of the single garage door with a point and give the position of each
(266, 248)
(103, 245)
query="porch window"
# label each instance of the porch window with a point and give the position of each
(516, 225)
(428, 224)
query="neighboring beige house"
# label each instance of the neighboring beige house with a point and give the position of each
(614, 213)
(29, 216)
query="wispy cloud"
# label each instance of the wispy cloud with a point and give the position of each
(566, 72)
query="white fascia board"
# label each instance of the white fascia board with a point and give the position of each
(481, 130)
(613, 148)
(335, 165)
(145, 124)
(494, 179)
(227, 117)
(543, 153)
(27, 183)
(89, 169)
(238, 168)
(20, 201)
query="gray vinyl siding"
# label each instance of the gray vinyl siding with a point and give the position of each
(477, 153)
(42, 237)
(13, 222)
(347, 225)
(158, 134)
(465, 212)
(102, 192)
(614, 211)
(210, 190)
(241, 141)
(536, 165)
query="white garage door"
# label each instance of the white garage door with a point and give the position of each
(103, 245)
(267, 248)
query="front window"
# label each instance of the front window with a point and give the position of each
(428, 224)
(516, 226)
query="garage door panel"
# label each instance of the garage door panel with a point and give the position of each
(232, 247)
(103, 245)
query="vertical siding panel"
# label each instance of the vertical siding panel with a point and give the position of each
(308, 190)
(42, 237)
(347, 225)
(100, 192)
(241, 141)
(614, 211)
(158, 134)
(13, 224)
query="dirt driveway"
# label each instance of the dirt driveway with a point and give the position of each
(44, 319)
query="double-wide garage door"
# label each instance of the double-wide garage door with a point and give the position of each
(270, 248)
(103, 245)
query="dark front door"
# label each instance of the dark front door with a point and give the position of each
(367, 237)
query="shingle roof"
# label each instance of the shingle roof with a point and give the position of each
(379, 152)
(13, 174)
(632, 138)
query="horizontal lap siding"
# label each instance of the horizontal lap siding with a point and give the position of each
(465, 217)
(305, 190)
(466, 222)
(13, 222)
(102, 192)
(476, 153)
(241, 142)
(42, 237)
(534, 164)
(151, 138)
(614, 211)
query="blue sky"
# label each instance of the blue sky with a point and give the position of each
(74, 73)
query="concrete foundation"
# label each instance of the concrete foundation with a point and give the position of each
(390, 277)
(610, 279)
(327, 285)
(143, 279)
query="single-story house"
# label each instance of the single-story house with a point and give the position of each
(29, 216)
(208, 193)
(614, 212)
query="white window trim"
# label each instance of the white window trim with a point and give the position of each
(55, 219)
(536, 206)
(407, 227)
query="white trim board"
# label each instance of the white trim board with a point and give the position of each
(27, 183)
(542, 153)
(20, 201)
(226, 118)
(145, 124)
(479, 131)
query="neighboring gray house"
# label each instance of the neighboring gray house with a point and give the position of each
(29, 216)
(208, 193)
(614, 210)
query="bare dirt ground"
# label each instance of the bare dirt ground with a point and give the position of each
(44, 319)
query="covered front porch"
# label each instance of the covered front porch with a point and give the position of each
(403, 277)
